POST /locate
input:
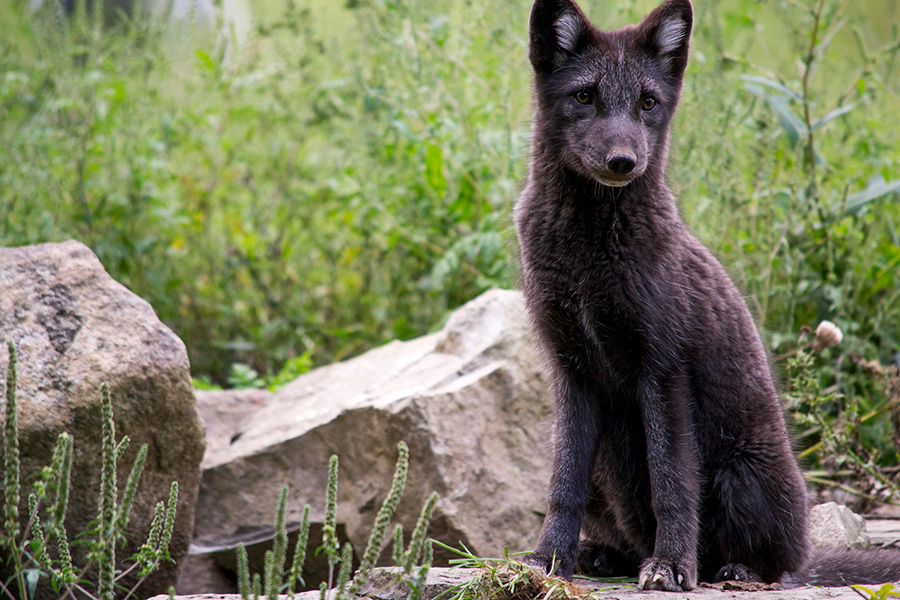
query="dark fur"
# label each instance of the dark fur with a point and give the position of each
(672, 458)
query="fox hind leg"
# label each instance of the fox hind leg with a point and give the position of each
(600, 560)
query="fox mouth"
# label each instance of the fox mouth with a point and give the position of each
(614, 181)
(601, 172)
(613, 178)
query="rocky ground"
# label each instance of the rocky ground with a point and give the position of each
(832, 525)
(444, 583)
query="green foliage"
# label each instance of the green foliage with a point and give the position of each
(386, 513)
(412, 555)
(296, 572)
(30, 550)
(12, 484)
(508, 579)
(330, 545)
(831, 426)
(336, 183)
(108, 487)
(294, 197)
(420, 550)
(383, 521)
(885, 592)
(348, 583)
(131, 487)
(279, 548)
(346, 569)
(397, 550)
(244, 376)
(243, 571)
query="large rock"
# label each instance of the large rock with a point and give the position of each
(74, 328)
(223, 413)
(469, 401)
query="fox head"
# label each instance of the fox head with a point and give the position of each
(604, 99)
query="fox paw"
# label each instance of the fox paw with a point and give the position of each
(736, 572)
(550, 565)
(666, 575)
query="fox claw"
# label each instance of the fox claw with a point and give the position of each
(666, 575)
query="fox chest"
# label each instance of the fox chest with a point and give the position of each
(584, 313)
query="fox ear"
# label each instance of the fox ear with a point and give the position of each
(665, 33)
(558, 29)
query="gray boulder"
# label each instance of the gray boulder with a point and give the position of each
(469, 401)
(833, 525)
(224, 412)
(75, 327)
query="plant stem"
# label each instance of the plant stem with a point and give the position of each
(812, 191)
(12, 464)
(807, 118)
(107, 510)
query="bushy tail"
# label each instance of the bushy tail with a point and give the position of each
(832, 568)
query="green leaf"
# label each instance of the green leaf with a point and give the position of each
(771, 84)
(884, 278)
(832, 116)
(32, 576)
(875, 190)
(792, 124)
(434, 168)
(780, 103)
(756, 90)
(206, 60)
(464, 203)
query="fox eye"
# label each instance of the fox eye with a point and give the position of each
(648, 103)
(583, 97)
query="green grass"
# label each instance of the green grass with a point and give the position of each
(347, 176)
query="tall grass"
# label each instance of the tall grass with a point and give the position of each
(311, 194)
(298, 197)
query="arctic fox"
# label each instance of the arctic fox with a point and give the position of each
(672, 458)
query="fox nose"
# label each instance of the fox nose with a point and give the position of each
(621, 162)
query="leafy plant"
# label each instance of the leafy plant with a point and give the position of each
(244, 376)
(830, 422)
(41, 548)
(347, 583)
(509, 579)
(885, 592)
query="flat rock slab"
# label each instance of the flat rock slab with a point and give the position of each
(884, 532)
(806, 593)
(383, 586)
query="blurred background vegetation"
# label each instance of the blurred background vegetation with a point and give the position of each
(344, 173)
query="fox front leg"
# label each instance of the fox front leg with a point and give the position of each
(674, 487)
(576, 447)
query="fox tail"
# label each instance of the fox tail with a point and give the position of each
(834, 568)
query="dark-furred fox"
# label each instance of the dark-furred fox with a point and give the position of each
(672, 458)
